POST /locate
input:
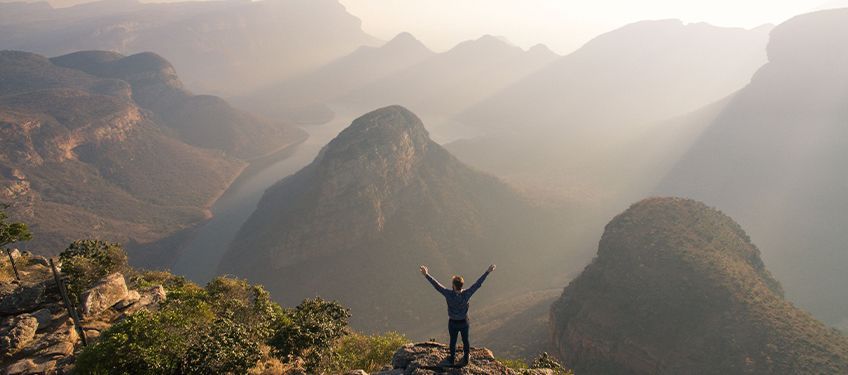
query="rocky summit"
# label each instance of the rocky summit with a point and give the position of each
(678, 288)
(428, 358)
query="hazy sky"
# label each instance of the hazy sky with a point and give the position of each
(563, 25)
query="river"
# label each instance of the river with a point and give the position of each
(199, 258)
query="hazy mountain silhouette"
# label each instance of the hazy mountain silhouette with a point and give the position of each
(217, 46)
(81, 158)
(775, 156)
(451, 81)
(641, 73)
(380, 199)
(302, 96)
(678, 288)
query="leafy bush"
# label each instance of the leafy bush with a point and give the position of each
(365, 352)
(227, 347)
(310, 331)
(144, 343)
(87, 261)
(216, 330)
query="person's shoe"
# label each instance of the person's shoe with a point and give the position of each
(462, 363)
(447, 362)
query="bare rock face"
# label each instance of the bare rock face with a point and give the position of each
(16, 333)
(431, 357)
(36, 334)
(23, 298)
(105, 294)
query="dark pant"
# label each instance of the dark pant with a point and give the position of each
(456, 327)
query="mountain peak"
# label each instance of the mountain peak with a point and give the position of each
(675, 281)
(405, 41)
(392, 131)
(484, 44)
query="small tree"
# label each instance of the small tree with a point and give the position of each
(310, 331)
(87, 261)
(11, 233)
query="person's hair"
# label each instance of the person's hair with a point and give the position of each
(458, 281)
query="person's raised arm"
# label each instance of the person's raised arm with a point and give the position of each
(439, 287)
(470, 291)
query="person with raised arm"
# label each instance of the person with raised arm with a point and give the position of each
(457, 300)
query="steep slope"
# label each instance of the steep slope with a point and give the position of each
(224, 47)
(79, 157)
(451, 81)
(678, 288)
(200, 120)
(774, 159)
(379, 200)
(301, 96)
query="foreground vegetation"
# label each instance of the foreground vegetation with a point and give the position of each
(227, 327)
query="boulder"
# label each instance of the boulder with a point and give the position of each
(105, 294)
(431, 358)
(132, 297)
(29, 366)
(44, 317)
(23, 298)
(39, 260)
(356, 372)
(16, 333)
(149, 299)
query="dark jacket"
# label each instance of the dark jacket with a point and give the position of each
(457, 301)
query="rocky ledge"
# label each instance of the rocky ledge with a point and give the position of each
(428, 358)
(36, 334)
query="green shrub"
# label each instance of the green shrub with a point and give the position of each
(144, 343)
(365, 352)
(87, 261)
(310, 331)
(515, 364)
(226, 347)
(215, 330)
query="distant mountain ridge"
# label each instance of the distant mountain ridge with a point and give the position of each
(222, 47)
(381, 199)
(774, 159)
(302, 96)
(648, 71)
(449, 82)
(80, 157)
(677, 287)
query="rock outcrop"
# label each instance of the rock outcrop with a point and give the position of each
(36, 334)
(105, 294)
(428, 358)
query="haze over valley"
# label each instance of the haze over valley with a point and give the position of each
(665, 196)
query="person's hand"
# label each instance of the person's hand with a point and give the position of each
(424, 270)
(491, 268)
